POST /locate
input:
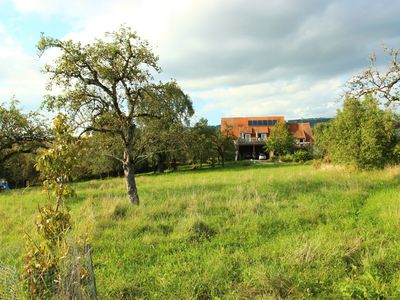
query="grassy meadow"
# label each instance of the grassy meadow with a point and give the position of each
(248, 231)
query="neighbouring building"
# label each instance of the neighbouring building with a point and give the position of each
(250, 134)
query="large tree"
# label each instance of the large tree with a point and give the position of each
(280, 141)
(201, 147)
(362, 135)
(108, 86)
(222, 142)
(384, 83)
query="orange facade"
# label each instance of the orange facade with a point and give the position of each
(301, 131)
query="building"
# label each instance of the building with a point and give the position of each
(249, 134)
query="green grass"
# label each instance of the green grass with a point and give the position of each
(244, 232)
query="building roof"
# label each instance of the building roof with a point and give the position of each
(242, 125)
(301, 131)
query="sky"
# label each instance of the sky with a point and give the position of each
(232, 57)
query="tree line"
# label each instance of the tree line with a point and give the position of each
(162, 146)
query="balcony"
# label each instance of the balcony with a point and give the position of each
(250, 141)
(302, 144)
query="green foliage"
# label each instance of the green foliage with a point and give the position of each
(56, 163)
(280, 141)
(297, 156)
(19, 170)
(163, 143)
(98, 156)
(362, 135)
(286, 158)
(20, 133)
(201, 147)
(223, 144)
(302, 156)
(323, 140)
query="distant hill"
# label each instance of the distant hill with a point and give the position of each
(312, 121)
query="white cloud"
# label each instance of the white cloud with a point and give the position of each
(293, 99)
(20, 75)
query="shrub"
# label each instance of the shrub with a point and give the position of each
(287, 158)
(301, 156)
(273, 159)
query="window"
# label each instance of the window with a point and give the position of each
(247, 137)
(261, 136)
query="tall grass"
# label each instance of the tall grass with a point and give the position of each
(248, 231)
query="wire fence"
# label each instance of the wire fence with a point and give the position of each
(8, 282)
(77, 278)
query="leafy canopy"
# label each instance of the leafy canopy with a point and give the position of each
(20, 132)
(362, 134)
(280, 141)
(108, 85)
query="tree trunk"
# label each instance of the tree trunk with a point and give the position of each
(129, 171)
(161, 157)
(174, 165)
